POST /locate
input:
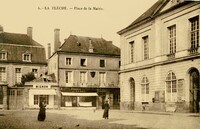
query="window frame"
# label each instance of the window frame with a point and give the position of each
(67, 63)
(145, 88)
(18, 75)
(132, 52)
(84, 63)
(5, 57)
(145, 40)
(104, 63)
(3, 77)
(172, 33)
(24, 57)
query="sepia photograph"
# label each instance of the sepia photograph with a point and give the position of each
(99, 64)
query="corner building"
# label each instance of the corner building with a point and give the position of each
(160, 59)
(86, 70)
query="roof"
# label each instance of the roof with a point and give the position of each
(19, 39)
(17, 44)
(80, 44)
(151, 13)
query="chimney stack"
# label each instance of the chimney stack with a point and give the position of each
(91, 48)
(1, 29)
(49, 50)
(56, 39)
(29, 31)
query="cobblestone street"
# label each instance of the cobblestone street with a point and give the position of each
(90, 119)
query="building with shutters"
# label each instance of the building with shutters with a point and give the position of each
(19, 55)
(160, 58)
(86, 70)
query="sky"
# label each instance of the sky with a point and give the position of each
(92, 18)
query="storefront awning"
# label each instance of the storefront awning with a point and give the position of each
(78, 94)
(43, 92)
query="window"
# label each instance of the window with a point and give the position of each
(171, 87)
(27, 57)
(172, 39)
(3, 55)
(131, 51)
(102, 63)
(145, 88)
(146, 47)
(1, 95)
(68, 61)
(102, 78)
(38, 98)
(83, 62)
(83, 77)
(194, 32)
(68, 76)
(18, 75)
(2, 74)
(35, 72)
(11, 92)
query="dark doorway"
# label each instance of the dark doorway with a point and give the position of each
(132, 93)
(194, 90)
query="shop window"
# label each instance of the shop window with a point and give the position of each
(38, 98)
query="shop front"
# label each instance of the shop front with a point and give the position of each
(73, 99)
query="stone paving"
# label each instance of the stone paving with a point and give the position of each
(91, 119)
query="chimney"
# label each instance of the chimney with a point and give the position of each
(56, 39)
(91, 48)
(49, 50)
(1, 29)
(29, 31)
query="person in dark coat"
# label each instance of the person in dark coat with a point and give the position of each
(106, 110)
(42, 112)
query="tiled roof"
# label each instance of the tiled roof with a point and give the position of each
(20, 39)
(80, 44)
(17, 44)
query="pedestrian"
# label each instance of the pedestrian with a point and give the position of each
(106, 110)
(42, 112)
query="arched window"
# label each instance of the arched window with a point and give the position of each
(171, 87)
(145, 88)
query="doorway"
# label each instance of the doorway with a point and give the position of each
(194, 90)
(132, 93)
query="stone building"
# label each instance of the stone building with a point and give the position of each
(19, 55)
(86, 70)
(160, 58)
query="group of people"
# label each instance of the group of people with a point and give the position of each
(42, 112)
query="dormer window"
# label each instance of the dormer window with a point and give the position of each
(3, 55)
(26, 57)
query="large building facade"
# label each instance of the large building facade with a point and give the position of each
(86, 70)
(19, 55)
(160, 61)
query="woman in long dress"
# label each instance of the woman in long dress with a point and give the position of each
(42, 112)
(106, 110)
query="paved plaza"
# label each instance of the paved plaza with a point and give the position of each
(90, 119)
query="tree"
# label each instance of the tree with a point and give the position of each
(27, 77)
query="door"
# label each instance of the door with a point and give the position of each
(194, 91)
(132, 93)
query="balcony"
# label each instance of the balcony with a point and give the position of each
(171, 56)
(193, 51)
